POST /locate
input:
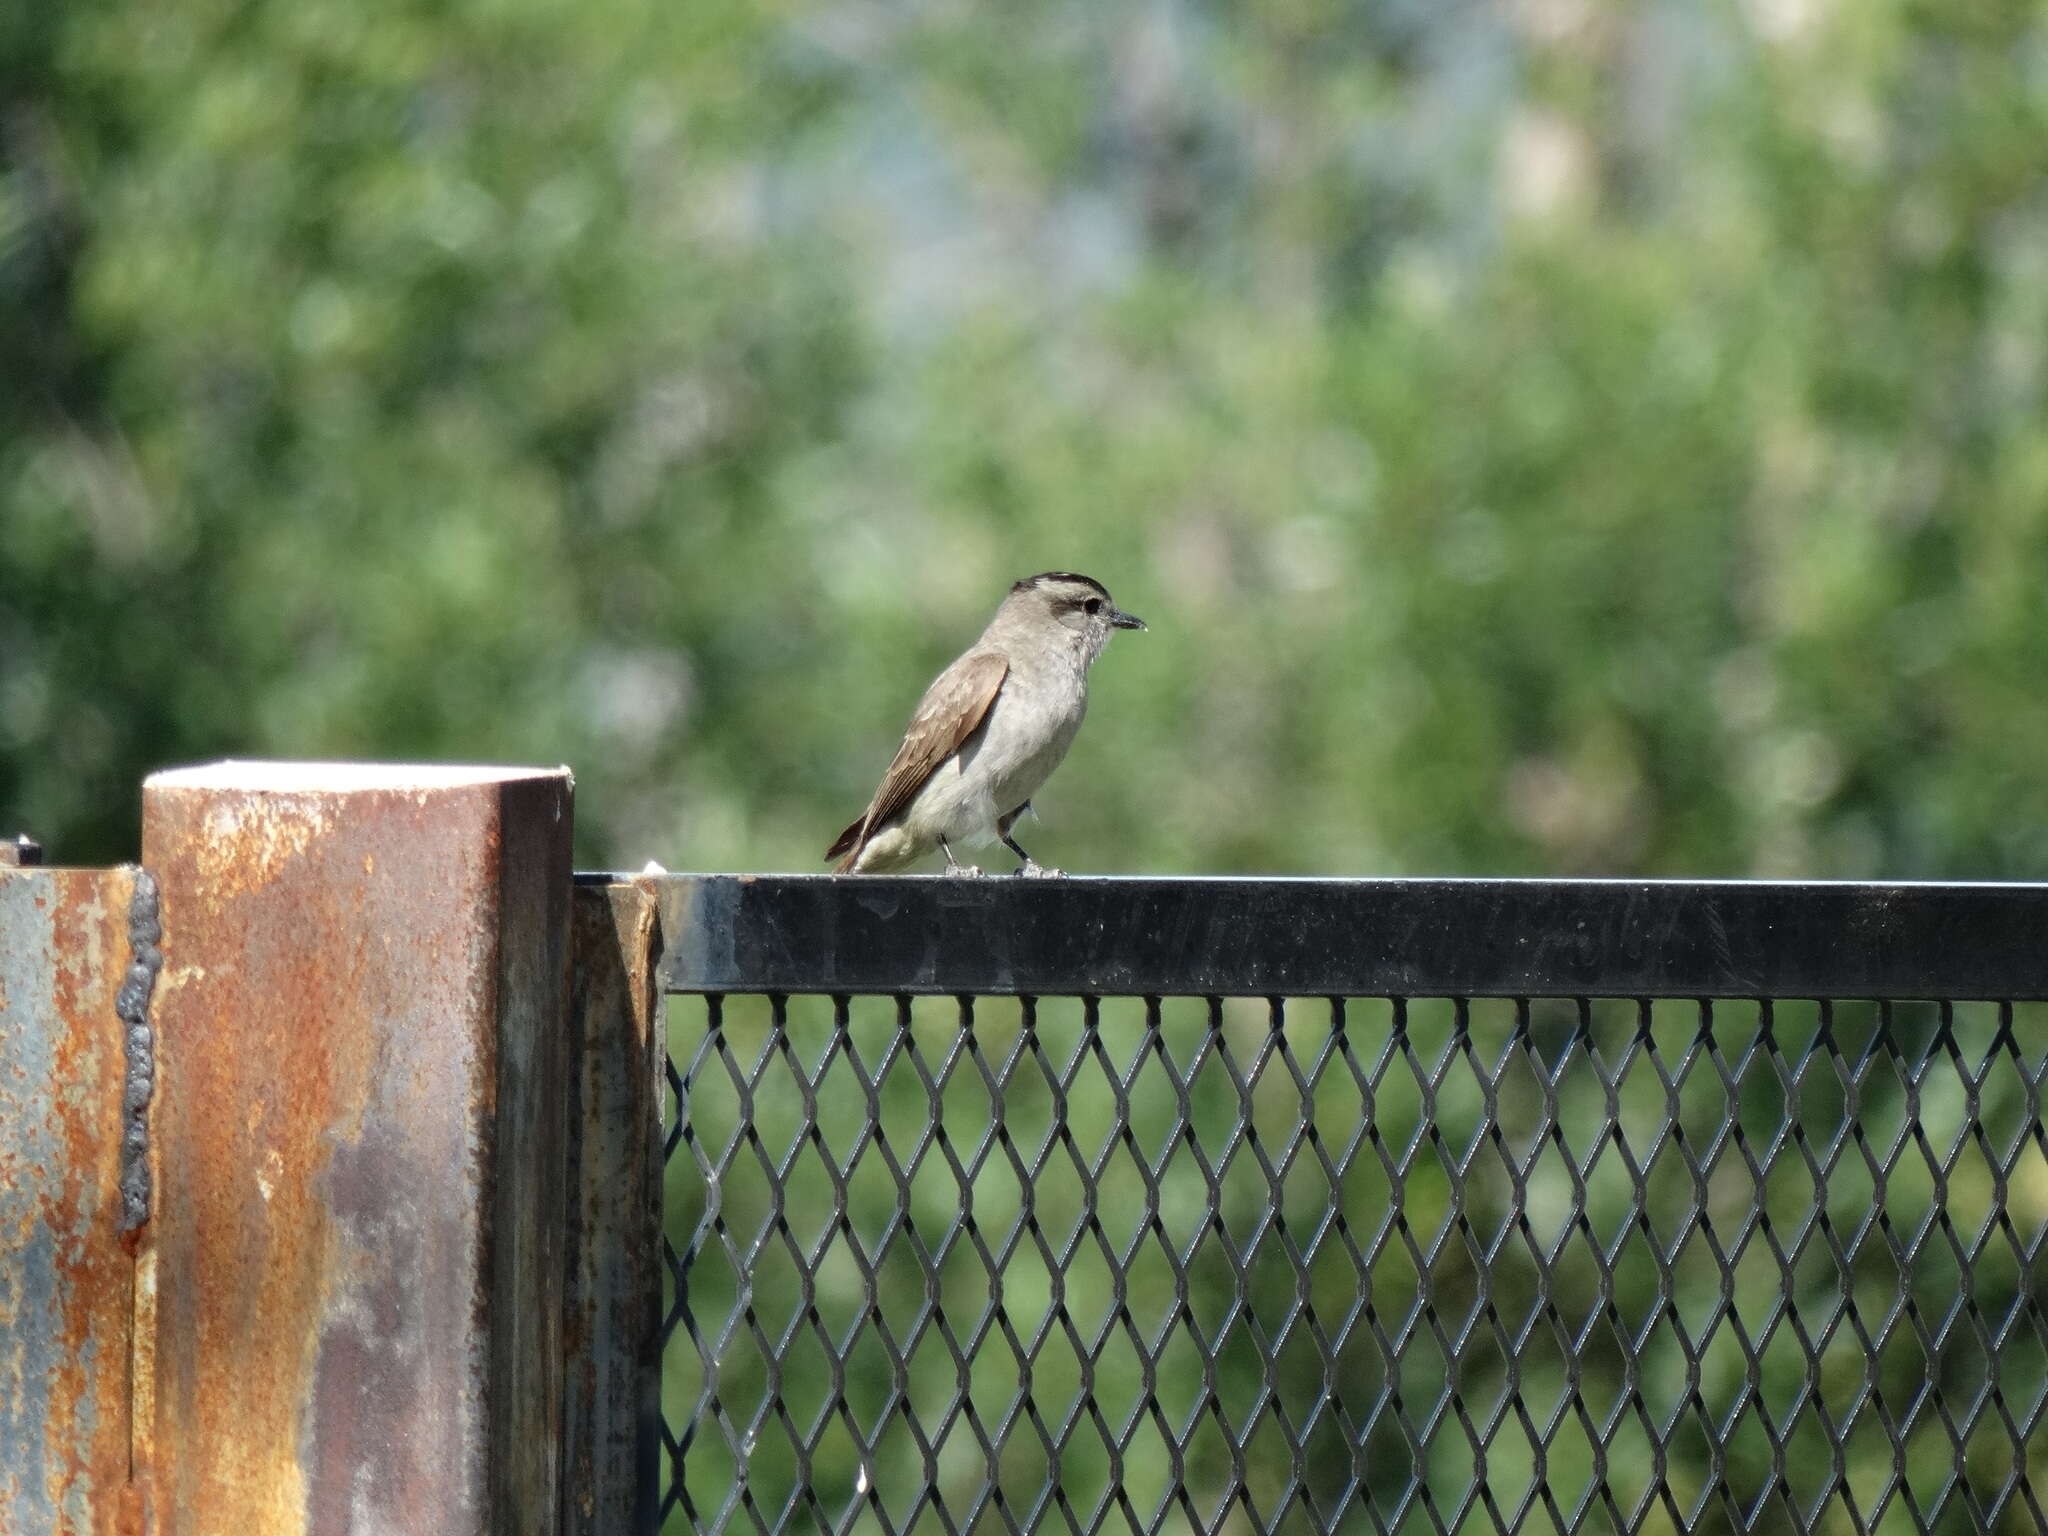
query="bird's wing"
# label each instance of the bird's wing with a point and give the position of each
(951, 710)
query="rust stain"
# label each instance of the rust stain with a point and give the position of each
(90, 936)
(142, 1390)
(612, 1312)
(70, 1273)
(322, 1143)
(249, 842)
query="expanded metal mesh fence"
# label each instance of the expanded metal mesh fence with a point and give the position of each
(1380, 1265)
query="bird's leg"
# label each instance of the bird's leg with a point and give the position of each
(954, 866)
(1032, 868)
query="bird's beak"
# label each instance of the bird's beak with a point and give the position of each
(1118, 619)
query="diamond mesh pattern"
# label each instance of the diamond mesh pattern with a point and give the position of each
(1409, 1265)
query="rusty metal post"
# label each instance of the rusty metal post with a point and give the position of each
(20, 852)
(67, 1272)
(359, 1148)
(612, 1429)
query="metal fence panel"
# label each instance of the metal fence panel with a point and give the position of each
(76, 949)
(1431, 1262)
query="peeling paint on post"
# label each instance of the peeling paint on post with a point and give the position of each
(66, 1275)
(358, 1147)
(612, 1429)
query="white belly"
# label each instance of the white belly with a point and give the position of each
(998, 770)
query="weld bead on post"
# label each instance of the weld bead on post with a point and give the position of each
(145, 934)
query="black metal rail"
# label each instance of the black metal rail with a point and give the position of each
(1379, 1206)
(1357, 938)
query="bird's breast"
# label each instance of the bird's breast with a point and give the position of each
(1029, 731)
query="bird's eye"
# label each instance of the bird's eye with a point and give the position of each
(1093, 605)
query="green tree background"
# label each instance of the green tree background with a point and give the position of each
(1565, 436)
(1545, 436)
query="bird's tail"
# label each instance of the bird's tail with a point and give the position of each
(847, 846)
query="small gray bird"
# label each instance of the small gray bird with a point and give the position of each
(989, 731)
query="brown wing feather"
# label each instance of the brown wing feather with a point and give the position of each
(950, 712)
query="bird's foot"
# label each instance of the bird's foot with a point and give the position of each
(1033, 870)
(965, 871)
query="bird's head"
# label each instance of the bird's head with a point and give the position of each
(1080, 604)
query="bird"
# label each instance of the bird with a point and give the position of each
(989, 731)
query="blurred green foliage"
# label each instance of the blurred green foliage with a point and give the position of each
(1570, 436)
(1559, 436)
